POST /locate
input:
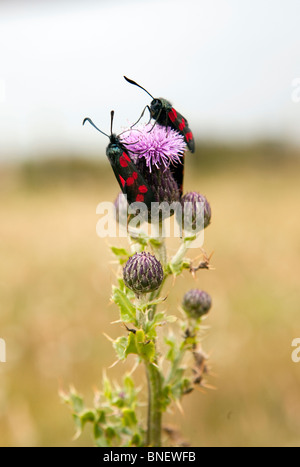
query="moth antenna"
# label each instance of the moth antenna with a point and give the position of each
(136, 84)
(93, 124)
(112, 113)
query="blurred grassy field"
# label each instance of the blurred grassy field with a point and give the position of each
(55, 282)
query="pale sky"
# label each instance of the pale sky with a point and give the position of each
(231, 67)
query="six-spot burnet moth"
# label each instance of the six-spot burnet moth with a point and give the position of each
(131, 182)
(164, 113)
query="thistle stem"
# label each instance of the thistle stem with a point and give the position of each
(140, 314)
(135, 247)
(159, 245)
(154, 405)
(154, 385)
(178, 257)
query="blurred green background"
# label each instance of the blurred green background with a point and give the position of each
(56, 277)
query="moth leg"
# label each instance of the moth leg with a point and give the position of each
(155, 122)
(166, 124)
(147, 107)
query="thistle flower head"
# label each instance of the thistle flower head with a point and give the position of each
(156, 151)
(143, 273)
(196, 303)
(158, 145)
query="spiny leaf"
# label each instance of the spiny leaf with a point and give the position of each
(140, 345)
(131, 345)
(129, 417)
(121, 253)
(127, 309)
(120, 345)
(152, 302)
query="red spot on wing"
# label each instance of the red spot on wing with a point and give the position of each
(143, 189)
(182, 124)
(172, 115)
(189, 136)
(140, 198)
(123, 162)
(122, 181)
(135, 175)
(126, 157)
(130, 181)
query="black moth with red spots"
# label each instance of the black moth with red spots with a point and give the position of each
(164, 113)
(131, 182)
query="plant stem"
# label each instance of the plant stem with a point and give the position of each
(154, 379)
(178, 257)
(159, 246)
(154, 405)
(141, 315)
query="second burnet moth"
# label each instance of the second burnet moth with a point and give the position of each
(164, 113)
(131, 182)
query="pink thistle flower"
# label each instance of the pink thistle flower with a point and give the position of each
(160, 147)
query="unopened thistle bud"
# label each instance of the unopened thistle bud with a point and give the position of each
(196, 303)
(143, 273)
(196, 212)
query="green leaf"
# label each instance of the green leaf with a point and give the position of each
(165, 397)
(98, 431)
(129, 293)
(127, 309)
(129, 417)
(148, 351)
(87, 416)
(131, 345)
(171, 354)
(76, 401)
(186, 264)
(78, 426)
(140, 336)
(140, 345)
(101, 416)
(81, 419)
(160, 319)
(155, 242)
(128, 384)
(120, 345)
(150, 326)
(101, 441)
(107, 389)
(121, 253)
(176, 268)
(141, 239)
(152, 303)
(110, 432)
(191, 238)
(136, 440)
(122, 285)
(180, 386)
(176, 391)
(146, 348)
